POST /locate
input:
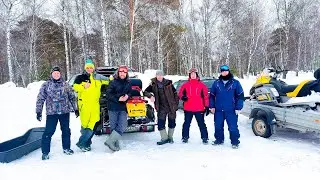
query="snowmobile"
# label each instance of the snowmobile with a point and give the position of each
(285, 91)
(273, 103)
(141, 116)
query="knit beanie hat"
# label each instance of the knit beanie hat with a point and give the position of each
(88, 64)
(55, 68)
(193, 70)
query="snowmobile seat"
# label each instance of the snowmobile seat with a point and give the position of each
(288, 88)
(135, 91)
(136, 87)
(282, 87)
(136, 82)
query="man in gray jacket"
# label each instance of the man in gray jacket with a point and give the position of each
(60, 101)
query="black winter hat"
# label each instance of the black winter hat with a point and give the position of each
(55, 68)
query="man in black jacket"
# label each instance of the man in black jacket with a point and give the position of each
(165, 98)
(118, 92)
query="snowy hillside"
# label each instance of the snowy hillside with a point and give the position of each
(287, 154)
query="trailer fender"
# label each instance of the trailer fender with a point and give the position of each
(265, 112)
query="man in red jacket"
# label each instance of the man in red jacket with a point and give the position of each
(195, 95)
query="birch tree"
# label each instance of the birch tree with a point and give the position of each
(34, 8)
(209, 18)
(133, 7)
(82, 28)
(104, 35)
(9, 8)
(66, 47)
(255, 34)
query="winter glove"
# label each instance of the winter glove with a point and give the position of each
(237, 112)
(207, 111)
(76, 112)
(184, 98)
(39, 116)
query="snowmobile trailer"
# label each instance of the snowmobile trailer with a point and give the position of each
(265, 117)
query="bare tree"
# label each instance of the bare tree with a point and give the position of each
(104, 35)
(9, 7)
(33, 10)
(133, 7)
(209, 17)
(66, 47)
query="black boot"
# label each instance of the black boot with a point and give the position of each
(205, 141)
(185, 140)
(45, 157)
(216, 143)
(235, 146)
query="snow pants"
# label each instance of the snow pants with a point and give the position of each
(51, 124)
(188, 115)
(162, 116)
(232, 121)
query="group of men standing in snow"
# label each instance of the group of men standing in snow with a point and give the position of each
(225, 100)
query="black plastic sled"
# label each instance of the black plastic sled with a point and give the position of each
(18, 147)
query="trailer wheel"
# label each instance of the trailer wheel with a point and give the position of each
(260, 127)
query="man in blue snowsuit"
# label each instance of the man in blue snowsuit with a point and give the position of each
(226, 101)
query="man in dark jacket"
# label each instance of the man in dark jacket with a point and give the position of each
(118, 92)
(165, 98)
(226, 101)
(60, 101)
(195, 95)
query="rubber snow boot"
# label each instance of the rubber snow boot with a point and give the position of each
(68, 151)
(170, 135)
(45, 156)
(111, 141)
(117, 145)
(164, 137)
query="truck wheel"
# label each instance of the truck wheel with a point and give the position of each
(260, 127)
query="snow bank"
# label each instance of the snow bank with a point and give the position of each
(8, 85)
(17, 109)
(35, 86)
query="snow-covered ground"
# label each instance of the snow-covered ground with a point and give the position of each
(287, 154)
